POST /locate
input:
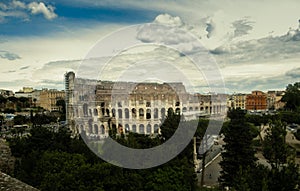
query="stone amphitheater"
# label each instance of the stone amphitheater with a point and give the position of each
(94, 107)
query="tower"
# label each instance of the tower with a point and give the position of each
(69, 87)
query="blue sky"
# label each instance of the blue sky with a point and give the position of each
(256, 44)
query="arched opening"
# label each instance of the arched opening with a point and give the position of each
(126, 113)
(141, 129)
(81, 129)
(191, 109)
(156, 128)
(134, 128)
(96, 129)
(133, 112)
(177, 111)
(163, 113)
(141, 113)
(102, 129)
(77, 113)
(90, 112)
(107, 112)
(184, 109)
(148, 129)
(113, 112)
(90, 126)
(95, 112)
(120, 113)
(196, 108)
(85, 109)
(148, 114)
(126, 128)
(155, 113)
(201, 108)
(206, 109)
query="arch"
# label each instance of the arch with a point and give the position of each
(90, 126)
(126, 128)
(141, 113)
(126, 113)
(96, 129)
(177, 111)
(85, 109)
(170, 109)
(163, 113)
(155, 113)
(107, 112)
(113, 112)
(201, 108)
(196, 108)
(206, 109)
(142, 129)
(134, 128)
(102, 111)
(102, 129)
(120, 113)
(156, 128)
(90, 112)
(81, 129)
(148, 114)
(184, 109)
(148, 129)
(133, 112)
(77, 113)
(95, 112)
(191, 109)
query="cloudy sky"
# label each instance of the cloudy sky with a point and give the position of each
(253, 44)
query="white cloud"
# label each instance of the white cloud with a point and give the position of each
(18, 4)
(170, 31)
(41, 8)
(167, 19)
(18, 9)
(8, 55)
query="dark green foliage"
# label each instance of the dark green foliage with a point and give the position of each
(238, 157)
(20, 120)
(275, 149)
(292, 97)
(290, 117)
(284, 174)
(53, 161)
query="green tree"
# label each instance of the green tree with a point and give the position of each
(292, 97)
(275, 149)
(284, 174)
(239, 154)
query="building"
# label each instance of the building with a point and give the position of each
(6, 93)
(274, 100)
(94, 107)
(238, 101)
(49, 97)
(256, 101)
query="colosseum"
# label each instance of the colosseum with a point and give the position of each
(94, 107)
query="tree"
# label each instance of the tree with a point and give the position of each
(3, 101)
(292, 97)
(238, 157)
(284, 174)
(62, 108)
(24, 101)
(275, 149)
(170, 124)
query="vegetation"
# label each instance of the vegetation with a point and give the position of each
(238, 145)
(292, 97)
(53, 161)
